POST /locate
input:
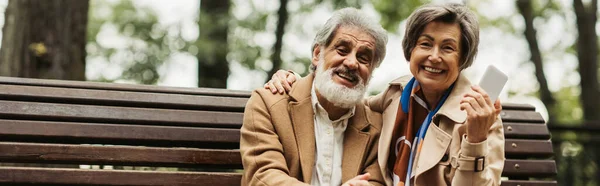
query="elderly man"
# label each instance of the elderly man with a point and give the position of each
(320, 133)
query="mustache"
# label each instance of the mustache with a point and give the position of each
(352, 74)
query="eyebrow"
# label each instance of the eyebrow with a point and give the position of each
(344, 42)
(445, 40)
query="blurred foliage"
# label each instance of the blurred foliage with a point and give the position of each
(568, 107)
(146, 44)
(394, 11)
(246, 32)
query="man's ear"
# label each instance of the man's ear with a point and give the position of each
(316, 54)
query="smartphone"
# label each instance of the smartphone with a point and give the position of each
(493, 81)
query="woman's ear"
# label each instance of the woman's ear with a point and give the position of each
(316, 55)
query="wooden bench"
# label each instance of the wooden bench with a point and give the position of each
(85, 133)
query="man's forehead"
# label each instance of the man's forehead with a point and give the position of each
(346, 33)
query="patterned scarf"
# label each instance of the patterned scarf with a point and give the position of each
(402, 155)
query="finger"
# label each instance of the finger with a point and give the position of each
(473, 103)
(272, 87)
(468, 108)
(356, 183)
(281, 74)
(498, 107)
(483, 93)
(364, 176)
(290, 80)
(286, 84)
(479, 99)
(361, 183)
(278, 85)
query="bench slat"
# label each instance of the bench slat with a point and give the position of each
(102, 114)
(521, 116)
(526, 131)
(115, 177)
(528, 183)
(123, 87)
(126, 155)
(539, 148)
(118, 155)
(120, 98)
(42, 131)
(529, 168)
(517, 106)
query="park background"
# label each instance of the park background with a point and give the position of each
(548, 48)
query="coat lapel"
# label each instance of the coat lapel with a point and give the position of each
(355, 144)
(386, 136)
(437, 141)
(434, 147)
(389, 117)
(302, 116)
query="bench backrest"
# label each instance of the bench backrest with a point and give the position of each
(87, 133)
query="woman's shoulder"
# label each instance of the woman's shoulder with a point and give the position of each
(401, 81)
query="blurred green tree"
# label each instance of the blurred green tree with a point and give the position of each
(213, 22)
(570, 105)
(146, 44)
(44, 39)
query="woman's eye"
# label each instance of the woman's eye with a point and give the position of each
(425, 44)
(342, 50)
(449, 48)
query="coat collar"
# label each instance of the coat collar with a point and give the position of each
(302, 115)
(450, 108)
(437, 140)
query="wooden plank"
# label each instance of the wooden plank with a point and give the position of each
(529, 168)
(586, 128)
(118, 155)
(517, 106)
(529, 148)
(120, 98)
(63, 132)
(111, 114)
(528, 183)
(521, 116)
(526, 130)
(123, 87)
(114, 177)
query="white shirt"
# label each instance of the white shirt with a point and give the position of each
(329, 136)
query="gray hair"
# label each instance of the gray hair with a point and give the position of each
(352, 17)
(448, 13)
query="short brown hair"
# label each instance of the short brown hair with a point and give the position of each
(448, 13)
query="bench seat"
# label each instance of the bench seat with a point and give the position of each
(55, 132)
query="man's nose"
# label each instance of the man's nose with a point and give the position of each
(351, 62)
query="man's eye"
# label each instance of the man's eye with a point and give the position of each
(364, 59)
(342, 50)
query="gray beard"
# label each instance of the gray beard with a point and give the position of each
(340, 95)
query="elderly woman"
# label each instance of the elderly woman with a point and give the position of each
(438, 129)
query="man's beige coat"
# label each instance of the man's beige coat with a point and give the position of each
(445, 158)
(278, 139)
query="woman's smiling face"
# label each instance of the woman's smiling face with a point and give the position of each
(435, 60)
